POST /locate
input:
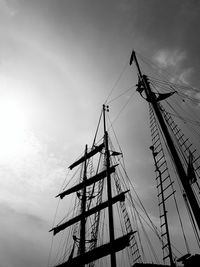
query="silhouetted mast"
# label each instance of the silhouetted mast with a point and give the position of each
(109, 190)
(85, 255)
(151, 97)
(99, 188)
(83, 208)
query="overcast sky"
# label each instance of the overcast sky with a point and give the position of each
(59, 60)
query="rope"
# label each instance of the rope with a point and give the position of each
(116, 82)
(97, 128)
(112, 100)
(123, 107)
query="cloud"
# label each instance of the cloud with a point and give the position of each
(168, 29)
(185, 76)
(197, 96)
(8, 212)
(8, 7)
(173, 61)
(28, 184)
(169, 58)
(20, 235)
(27, 204)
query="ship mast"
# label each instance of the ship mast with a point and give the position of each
(86, 255)
(109, 190)
(151, 97)
(83, 208)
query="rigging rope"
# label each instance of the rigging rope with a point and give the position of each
(116, 82)
(187, 206)
(123, 107)
(120, 95)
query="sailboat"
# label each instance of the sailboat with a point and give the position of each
(106, 225)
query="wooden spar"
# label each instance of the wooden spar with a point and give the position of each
(86, 254)
(89, 155)
(93, 210)
(100, 252)
(88, 182)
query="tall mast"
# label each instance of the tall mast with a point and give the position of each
(150, 96)
(83, 207)
(87, 255)
(109, 190)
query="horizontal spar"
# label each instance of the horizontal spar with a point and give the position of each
(99, 252)
(87, 156)
(88, 182)
(57, 229)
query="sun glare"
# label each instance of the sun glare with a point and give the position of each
(14, 129)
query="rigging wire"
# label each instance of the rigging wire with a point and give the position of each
(193, 122)
(54, 219)
(122, 227)
(197, 123)
(175, 200)
(172, 85)
(152, 227)
(151, 248)
(123, 107)
(70, 180)
(164, 73)
(66, 242)
(176, 205)
(97, 128)
(192, 221)
(154, 67)
(180, 94)
(187, 206)
(116, 82)
(156, 258)
(178, 105)
(120, 95)
(111, 126)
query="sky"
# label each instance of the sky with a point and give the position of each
(59, 61)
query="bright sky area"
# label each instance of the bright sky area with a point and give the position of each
(59, 60)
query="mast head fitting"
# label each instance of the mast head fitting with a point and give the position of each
(106, 108)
